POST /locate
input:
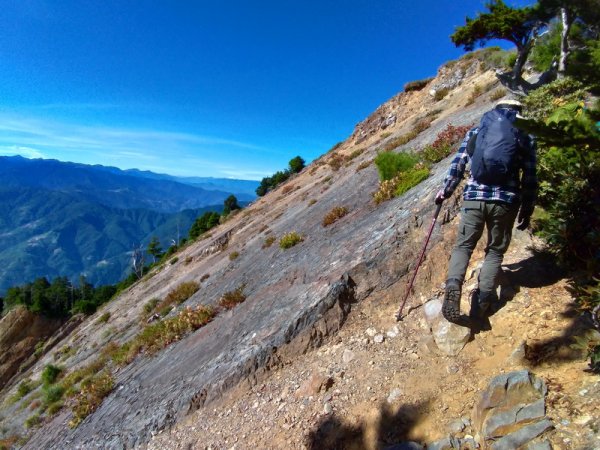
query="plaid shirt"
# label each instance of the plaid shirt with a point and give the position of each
(522, 190)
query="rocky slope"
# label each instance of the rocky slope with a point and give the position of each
(292, 365)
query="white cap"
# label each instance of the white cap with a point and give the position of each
(510, 103)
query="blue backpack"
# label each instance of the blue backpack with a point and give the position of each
(494, 150)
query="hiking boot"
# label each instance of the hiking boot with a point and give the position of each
(486, 302)
(451, 305)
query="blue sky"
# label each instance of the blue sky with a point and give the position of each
(197, 88)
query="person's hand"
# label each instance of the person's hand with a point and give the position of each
(523, 220)
(440, 197)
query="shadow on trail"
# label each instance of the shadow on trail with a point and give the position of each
(393, 427)
(541, 270)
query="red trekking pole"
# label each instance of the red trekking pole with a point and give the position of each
(410, 285)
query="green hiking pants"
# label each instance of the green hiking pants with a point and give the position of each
(498, 218)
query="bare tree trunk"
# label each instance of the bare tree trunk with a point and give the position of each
(566, 21)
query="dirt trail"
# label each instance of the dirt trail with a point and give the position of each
(355, 393)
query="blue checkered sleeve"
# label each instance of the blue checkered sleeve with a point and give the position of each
(458, 165)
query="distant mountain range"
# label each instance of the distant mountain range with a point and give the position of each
(67, 219)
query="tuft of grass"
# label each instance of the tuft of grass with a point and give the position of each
(287, 189)
(177, 296)
(334, 215)
(269, 241)
(188, 260)
(336, 161)
(174, 260)
(497, 94)
(312, 201)
(159, 335)
(52, 393)
(151, 305)
(233, 256)
(33, 421)
(91, 396)
(103, 318)
(204, 277)
(289, 240)
(400, 184)
(385, 135)
(233, 298)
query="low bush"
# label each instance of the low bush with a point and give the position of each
(233, 256)
(311, 202)
(159, 335)
(390, 164)
(50, 374)
(289, 240)
(53, 393)
(443, 144)
(150, 305)
(233, 298)
(417, 85)
(103, 318)
(181, 293)
(91, 396)
(336, 161)
(334, 215)
(409, 179)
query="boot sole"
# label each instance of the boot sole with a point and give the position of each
(451, 306)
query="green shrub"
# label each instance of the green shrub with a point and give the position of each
(417, 85)
(54, 408)
(542, 102)
(151, 305)
(182, 292)
(334, 215)
(311, 202)
(233, 256)
(50, 374)
(289, 240)
(390, 164)
(53, 393)
(410, 178)
(233, 298)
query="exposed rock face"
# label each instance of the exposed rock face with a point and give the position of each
(20, 331)
(511, 411)
(295, 297)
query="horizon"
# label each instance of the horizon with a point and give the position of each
(208, 90)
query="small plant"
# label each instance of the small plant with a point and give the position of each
(188, 260)
(390, 164)
(174, 260)
(443, 143)
(334, 215)
(356, 153)
(54, 408)
(422, 124)
(287, 189)
(289, 240)
(311, 202)
(400, 140)
(336, 161)
(269, 241)
(497, 94)
(24, 388)
(440, 94)
(50, 374)
(103, 318)
(385, 135)
(33, 421)
(151, 305)
(410, 179)
(39, 349)
(233, 298)
(91, 396)
(233, 256)
(53, 393)
(204, 277)
(182, 292)
(416, 85)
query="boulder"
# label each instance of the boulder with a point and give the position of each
(511, 410)
(449, 338)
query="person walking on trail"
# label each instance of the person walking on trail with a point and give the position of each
(502, 187)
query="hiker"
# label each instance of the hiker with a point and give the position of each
(502, 187)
